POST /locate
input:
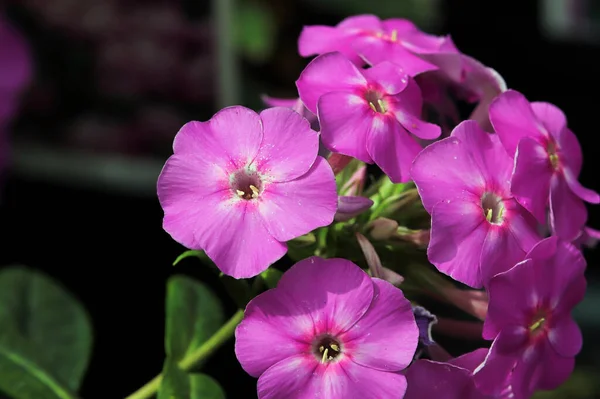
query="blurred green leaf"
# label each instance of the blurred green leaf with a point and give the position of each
(255, 30)
(178, 384)
(198, 254)
(193, 314)
(271, 277)
(46, 336)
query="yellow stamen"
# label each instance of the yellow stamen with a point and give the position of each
(488, 215)
(240, 193)
(372, 106)
(537, 324)
(254, 191)
(554, 161)
(334, 347)
(394, 35)
(381, 106)
(325, 357)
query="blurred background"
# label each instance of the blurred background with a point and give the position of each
(112, 81)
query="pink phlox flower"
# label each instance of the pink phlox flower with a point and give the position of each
(328, 330)
(367, 38)
(588, 238)
(548, 161)
(448, 380)
(372, 114)
(297, 105)
(242, 184)
(477, 228)
(529, 319)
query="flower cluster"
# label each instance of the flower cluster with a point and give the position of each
(494, 199)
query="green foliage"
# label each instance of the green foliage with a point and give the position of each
(179, 384)
(45, 339)
(254, 30)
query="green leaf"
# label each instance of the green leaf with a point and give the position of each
(198, 254)
(255, 31)
(271, 277)
(178, 384)
(193, 314)
(45, 339)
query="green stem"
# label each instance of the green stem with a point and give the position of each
(195, 357)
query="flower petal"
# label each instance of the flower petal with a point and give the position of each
(457, 235)
(530, 183)
(585, 194)
(570, 152)
(418, 127)
(326, 73)
(271, 321)
(364, 22)
(233, 235)
(550, 116)
(386, 337)
(345, 123)
(296, 207)
(556, 370)
(390, 76)
(289, 145)
(470, 361)
(340, 292)
(492, 375)
(237, 132)
(512, 118)
(351, 206)
(565, 337)
(365, 383)
(568, 213)
(429, 379)
(445, 170)
(290, 378)
(392, 148)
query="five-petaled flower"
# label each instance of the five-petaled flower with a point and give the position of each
(241, 184)
(328, 330)
(369, 114)
(477, 228)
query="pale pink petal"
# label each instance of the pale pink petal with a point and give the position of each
(237, 131)
(445, 170)
(340, 292)
(551, 117)
(436, 380)
(290, 378)
(568, 213)
(565, 336)
(233, 235)
(326, 73)
(512, 118)
(289, 145)
(346, 120)
(392, 148)
(530, 183)
(296, 207)
(386, 337)
(197, 143)
(389, 76)
(271, 320)
(457, 235)
(585, 194)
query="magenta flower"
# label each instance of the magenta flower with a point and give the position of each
(477, 228)
(369, 114)
(241, 184)
(366, 37)
(529, 319)
(328, 331)
(548, 160)
(448, 380)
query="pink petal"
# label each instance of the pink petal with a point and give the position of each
(319, 39)
(351, 206)
(326, 73)
(570, 152)
(585, 194)
(296, 207)
(346, 120)
(15, 58)
(551, 117)
(290, 378)
(568, 213)
(289, 145)
(386, 337)
(364, 22)
(486, 151)
(335, 292)
(565, 337)
(236, 131)
(409, 100)
(470, 361)
(390, 76)
(392, 148)
(233, 235)
(530, 183)
(376, 50)
(429, 379)
(358, 382)
(511, 297)
(280, 102)
(491, 376)
(421, 129)
(557, 370)
(198, 144)
(457, 235)
(512, 118)
(271, 320)
(445, 170)
(400, 25)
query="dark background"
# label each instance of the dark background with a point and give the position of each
(106, 245)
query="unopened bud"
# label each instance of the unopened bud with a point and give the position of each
(349, 207)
